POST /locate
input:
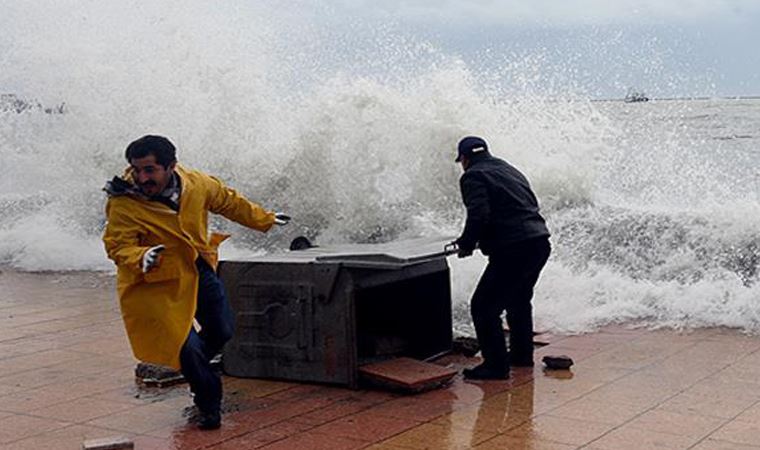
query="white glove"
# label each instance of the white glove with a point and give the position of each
(281, 218)
(151, 257)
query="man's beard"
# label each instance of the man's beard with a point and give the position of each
(147, 185)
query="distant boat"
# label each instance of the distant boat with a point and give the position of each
(635, 96)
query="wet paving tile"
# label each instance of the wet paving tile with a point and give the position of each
(629, 393)
(254, 439)
(692, 425)
(626, 437)
(80, 410)
(6, 390)
(751, 414)
(25, 401)
(484, 418)
(339, 409)
(385, 446)
(739, 432)
(96, 364)
(141, 419)
(41, 377)
(459, 393)
(66, 374)
(435, 436)
(17, 427)
(561, 430)
(714, 444)
(715, 405)
(414, 408)
(595, 411)
(70, 437)
(37, 360)
(256, 388)
(502, 442)
(366, 426)
(316, 441)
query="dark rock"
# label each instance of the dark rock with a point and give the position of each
(561, 362)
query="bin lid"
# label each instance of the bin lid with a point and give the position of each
(407, 374)
(389, 255)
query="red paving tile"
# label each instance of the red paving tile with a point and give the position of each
(316, 441)
(66, 374)
(366, 426)
(38, 378)
(29, 400)
(12, 334)
(70, 437)
(341, 408)
(415, 408)
(283, 410)
(80, 410)
(236, 435)
(457, 394)
(493, 387)
(140, 419)
(27, 362)
(739, 432)
(130, 394)
(17, 427)
(262, 388)
(628, 438)
(565, 431)
(6, 390)
(439, 436)
(153, 443)
(24, 346)
(254, 439)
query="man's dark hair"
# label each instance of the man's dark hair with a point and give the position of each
(158, 146)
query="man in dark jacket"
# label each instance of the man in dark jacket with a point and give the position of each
(504, 222)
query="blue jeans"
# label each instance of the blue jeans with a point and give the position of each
(215, 317)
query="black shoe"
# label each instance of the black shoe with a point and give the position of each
(520, 361)
(523, 364)
(210, 420)
(483, 372)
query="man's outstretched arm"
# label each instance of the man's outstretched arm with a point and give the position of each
(230, 204)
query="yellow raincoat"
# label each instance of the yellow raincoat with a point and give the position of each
(158, 307)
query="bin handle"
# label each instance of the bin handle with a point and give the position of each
(451, 248)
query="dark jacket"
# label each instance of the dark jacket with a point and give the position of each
(501, 207)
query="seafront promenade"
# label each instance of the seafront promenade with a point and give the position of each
(67, 375)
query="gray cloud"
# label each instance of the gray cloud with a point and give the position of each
(566, 12)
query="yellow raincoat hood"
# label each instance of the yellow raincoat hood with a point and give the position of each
(158, 307)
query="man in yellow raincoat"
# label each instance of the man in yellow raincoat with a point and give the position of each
(157, 234)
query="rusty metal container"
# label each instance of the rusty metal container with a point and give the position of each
(319, 314)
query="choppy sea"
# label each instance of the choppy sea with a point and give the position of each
(654, 207)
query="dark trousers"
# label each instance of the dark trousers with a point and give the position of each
(507, 284)
(215, 317)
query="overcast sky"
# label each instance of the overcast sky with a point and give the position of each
(567, 12)
(665, 47)
(592, 48)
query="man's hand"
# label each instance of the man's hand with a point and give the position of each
(281, 218)
(453, 247)
(152, 257)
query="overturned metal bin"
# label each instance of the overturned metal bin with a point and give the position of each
(319, 314)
